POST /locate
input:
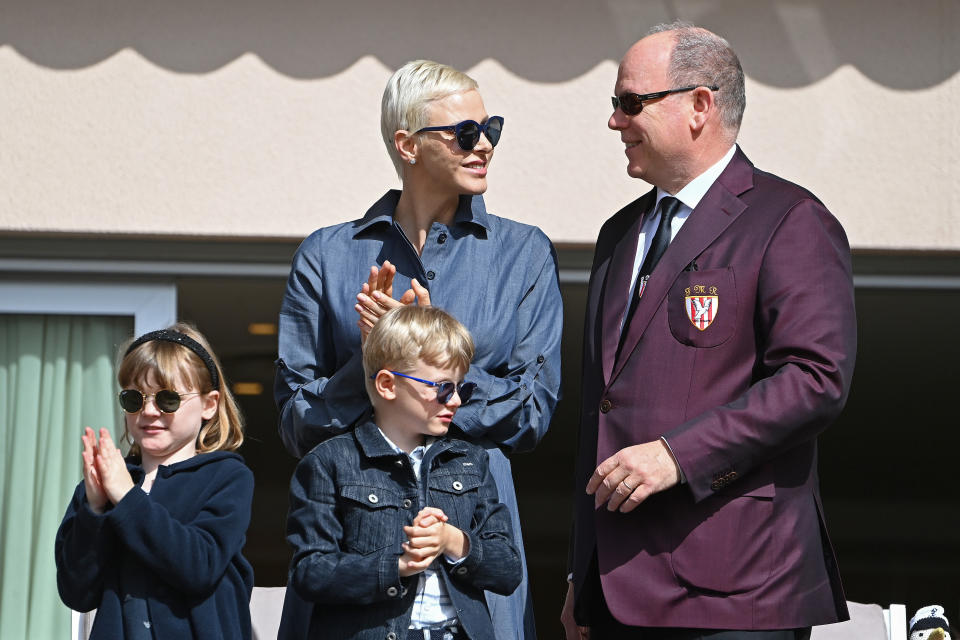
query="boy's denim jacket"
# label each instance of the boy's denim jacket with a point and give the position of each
(349, 499)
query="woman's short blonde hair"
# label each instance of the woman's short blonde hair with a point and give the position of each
(162, 362)
(407, 334)
(407, 98)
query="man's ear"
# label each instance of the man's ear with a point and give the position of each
(704, 107)
(386, 385)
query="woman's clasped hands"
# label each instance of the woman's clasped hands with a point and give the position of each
(105, 476)
(376, 297)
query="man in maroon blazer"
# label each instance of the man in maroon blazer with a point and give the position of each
(719, 342)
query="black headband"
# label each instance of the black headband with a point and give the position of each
(168, 335)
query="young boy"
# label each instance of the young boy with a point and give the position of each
(396, 528)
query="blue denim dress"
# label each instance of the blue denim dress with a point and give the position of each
(497, 276)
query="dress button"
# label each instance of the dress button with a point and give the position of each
(431, 275)
(392, 591)
(442, 238)
(373, 498)
(605, 405)
(407, 503)
(457, 485)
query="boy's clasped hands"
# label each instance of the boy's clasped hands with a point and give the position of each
(105, 475)
(427, 537)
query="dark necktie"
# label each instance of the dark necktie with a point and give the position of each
(669, 206)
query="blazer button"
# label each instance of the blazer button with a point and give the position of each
(461, 571)
(605, 405)
(392, 591)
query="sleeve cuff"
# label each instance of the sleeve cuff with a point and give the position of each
(681, 475)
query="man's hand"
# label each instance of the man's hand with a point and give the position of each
(632, 475)
(571, 629)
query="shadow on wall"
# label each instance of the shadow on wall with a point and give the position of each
(783, 43)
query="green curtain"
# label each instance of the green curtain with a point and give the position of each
(56, 376)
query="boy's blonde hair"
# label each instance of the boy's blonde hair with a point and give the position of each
(408, 94)
(404, 335)
(162, 362)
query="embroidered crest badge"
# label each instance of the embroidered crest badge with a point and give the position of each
(702, 304)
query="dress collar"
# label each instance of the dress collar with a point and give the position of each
(470, 209)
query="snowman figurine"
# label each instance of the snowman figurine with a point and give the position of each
(929, 623)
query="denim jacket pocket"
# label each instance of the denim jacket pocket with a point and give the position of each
(457, 494)
(371, 517)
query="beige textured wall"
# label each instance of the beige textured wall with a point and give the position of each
(261, 118)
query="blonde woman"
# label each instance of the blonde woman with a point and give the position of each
(434, 241)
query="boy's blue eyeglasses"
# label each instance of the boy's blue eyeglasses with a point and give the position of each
(468, 132)
(445, 389)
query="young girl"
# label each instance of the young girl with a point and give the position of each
(154, 542)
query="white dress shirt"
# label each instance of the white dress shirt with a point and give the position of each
(689, 197)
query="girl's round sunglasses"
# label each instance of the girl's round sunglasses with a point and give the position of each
(468, 132)
(445, 389)
(167, 400)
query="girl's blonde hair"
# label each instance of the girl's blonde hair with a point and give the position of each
(407, 97)
(162, 362)
(404, 335)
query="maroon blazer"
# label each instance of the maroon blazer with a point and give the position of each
(740, 352)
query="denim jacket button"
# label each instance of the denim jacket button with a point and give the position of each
(457, 485)
(392, 591)
(399, 462)
(391, 636)
(407, 503)
(373, 498)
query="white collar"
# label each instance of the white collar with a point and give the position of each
(693, 193)
(422, 449)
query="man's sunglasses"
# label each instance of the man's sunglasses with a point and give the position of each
(468, 132)
(632, 103)
(445, 389)
(168, 401)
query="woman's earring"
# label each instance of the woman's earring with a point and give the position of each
(413, 161)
